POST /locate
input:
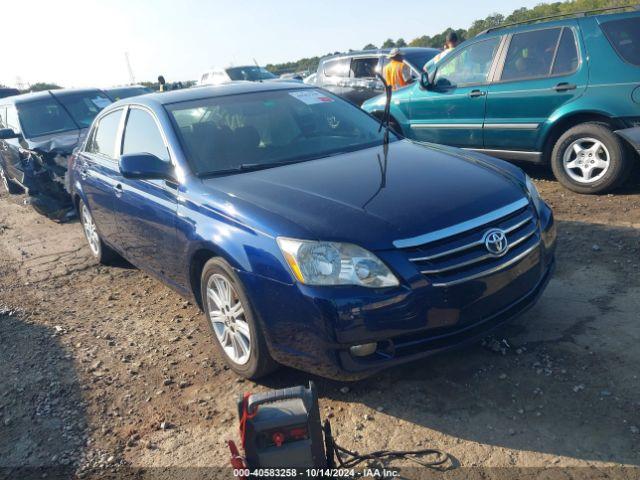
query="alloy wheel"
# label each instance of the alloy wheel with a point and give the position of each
(586, 160)
(90, 230)
(227, 317)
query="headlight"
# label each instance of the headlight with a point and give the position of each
(330, 263)
(535, 195)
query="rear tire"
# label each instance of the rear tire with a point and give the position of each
(101, 252)
(236, 332)
(590, 158)
(8, 184)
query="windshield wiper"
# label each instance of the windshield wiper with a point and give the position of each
(251, 167)
(386, 116)
(247, 167)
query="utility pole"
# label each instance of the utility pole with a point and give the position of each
(132, 79)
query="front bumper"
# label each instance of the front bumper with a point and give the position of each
(312, 328)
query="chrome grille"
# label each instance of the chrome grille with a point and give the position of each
(463, 256)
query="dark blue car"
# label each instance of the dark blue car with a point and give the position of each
(307, 239)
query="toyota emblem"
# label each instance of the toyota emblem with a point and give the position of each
(496, 242)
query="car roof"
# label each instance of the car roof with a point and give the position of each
(125, 87)
(224, 89)
(29, 97)
(381, 51)
(552, 22)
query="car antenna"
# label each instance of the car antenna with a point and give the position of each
(256, 62)
(384, 121)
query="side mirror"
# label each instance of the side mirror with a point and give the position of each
(426, 81)
(8, 133)
(145, 166)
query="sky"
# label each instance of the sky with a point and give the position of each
(82, 43)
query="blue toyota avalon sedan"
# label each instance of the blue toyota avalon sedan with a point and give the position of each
(309, 238)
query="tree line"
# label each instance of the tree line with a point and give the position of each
(437, 41)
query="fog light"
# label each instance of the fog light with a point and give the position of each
(363, 350)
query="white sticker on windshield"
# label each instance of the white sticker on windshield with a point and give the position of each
(101, 102)
(311, 97)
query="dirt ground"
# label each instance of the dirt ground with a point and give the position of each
(103, 368)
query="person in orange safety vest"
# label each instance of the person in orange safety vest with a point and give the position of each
(396, 73)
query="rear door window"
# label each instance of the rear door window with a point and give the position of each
(141, 135)
(337, 68)
(531, 54)
(103, 140)
(624, 36)
(567, 59)
(364, 67)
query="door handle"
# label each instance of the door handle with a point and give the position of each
(477, 93)
(118, 190)
(564, 87)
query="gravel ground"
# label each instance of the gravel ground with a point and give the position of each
(104, 369)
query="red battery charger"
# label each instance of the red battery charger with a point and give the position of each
(281, 429)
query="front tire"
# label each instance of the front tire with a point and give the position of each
(101, 252)
(236, 331)
(8, 184)
(589, 158)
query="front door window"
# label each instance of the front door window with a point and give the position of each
(470, 66)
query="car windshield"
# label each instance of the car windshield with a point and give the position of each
(126, 92)
(84, 107)
(265, 129)
(252, 74)
(420, 59)
(44, 117)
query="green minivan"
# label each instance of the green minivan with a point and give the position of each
(558, 92)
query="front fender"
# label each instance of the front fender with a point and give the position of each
(201, 229)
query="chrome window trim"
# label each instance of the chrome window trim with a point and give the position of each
(461, 227)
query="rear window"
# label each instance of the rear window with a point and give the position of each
(127, 92)
(44, 117)
(337, 68)
(624, 36)
(84, 107)
(252, 74)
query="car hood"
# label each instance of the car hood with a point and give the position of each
(56, 143)
(371, 198)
